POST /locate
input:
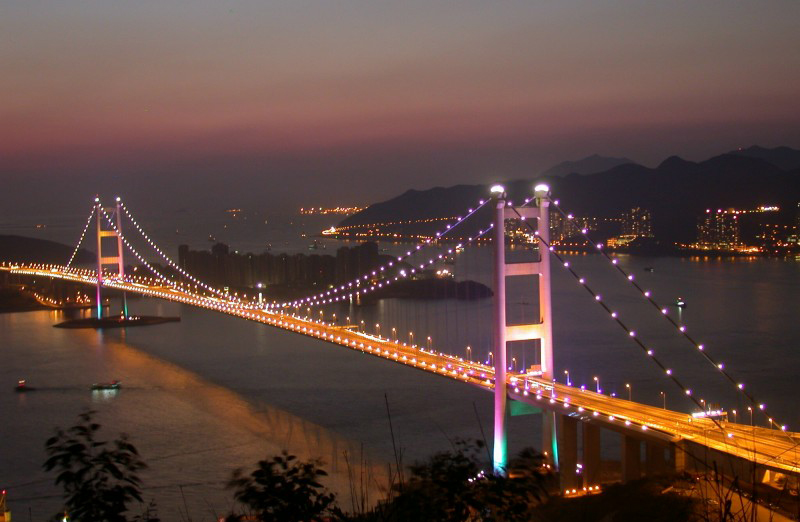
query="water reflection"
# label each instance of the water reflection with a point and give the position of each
(102, 396)
(190, 431)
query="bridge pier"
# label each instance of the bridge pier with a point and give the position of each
(591, 454)
(681, 459)
(568, 452)
(655, 462)
(631, 458)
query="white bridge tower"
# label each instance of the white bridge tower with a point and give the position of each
(541, 331)
(109, 260)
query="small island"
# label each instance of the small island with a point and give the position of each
(116, 322)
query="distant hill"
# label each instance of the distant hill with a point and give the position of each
(676, 192)
(784, 158)
(589, 165)
(31, 250)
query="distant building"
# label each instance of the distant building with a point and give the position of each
(560, 228)
(637, 222)
(718, 230)
(775, 237)
(797, 217)
(793, 239)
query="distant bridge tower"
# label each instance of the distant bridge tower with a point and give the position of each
(109, 260)
(541, 331)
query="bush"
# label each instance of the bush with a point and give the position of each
(284, 489)
(99, 477)
(451, 487)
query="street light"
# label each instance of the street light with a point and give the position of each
(363, 326)
(751, 414)
(429, 343)
(491, 359)
(394, 333)
(469, 354)
(597, 384)
(411, 338)
(734, 416)
(378, 329)
(629, 391)
(664, 397)
(566, 372)
(514, 363)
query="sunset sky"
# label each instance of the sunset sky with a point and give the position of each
(350, 102)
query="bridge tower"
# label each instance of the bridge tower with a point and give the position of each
(541, 331)
(109, 260)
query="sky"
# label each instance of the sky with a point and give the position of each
(296, 103)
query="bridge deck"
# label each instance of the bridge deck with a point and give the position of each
(773, 448)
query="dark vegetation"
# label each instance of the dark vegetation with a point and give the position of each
(101, 483)
(99, 478)
(639, 500)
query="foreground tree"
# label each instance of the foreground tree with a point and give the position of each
(284, 489)
(451, 487)
(100, 478)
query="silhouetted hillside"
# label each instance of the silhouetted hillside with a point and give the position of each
(31, 250)
(784, 158)
(676, 192)
(589, 165)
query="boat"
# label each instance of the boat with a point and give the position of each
(22, 386)
(113, 385)
(680, 303)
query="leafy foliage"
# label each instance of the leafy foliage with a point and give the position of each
(284, 489)
(450, 487)
(99, 477)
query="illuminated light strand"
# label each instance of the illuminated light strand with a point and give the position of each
(83, 234)
(451, 253)
(357, 281)
(663, 311)
(650, 353)
(166, 258)
(391, 223)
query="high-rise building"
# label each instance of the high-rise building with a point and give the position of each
(637, 222)
(718, 230)
(560, 228)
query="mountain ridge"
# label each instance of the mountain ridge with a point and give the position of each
(676, 192)
(588, 165)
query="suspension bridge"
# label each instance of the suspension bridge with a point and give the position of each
(670, 439)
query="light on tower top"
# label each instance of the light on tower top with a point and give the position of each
(497, 189)
(119, 199)
(541, 187)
